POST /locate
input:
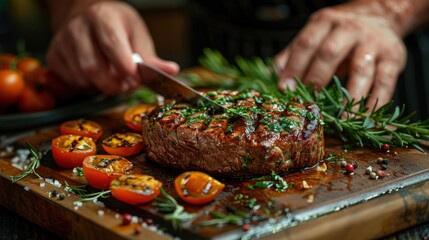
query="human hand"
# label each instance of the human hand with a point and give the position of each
(94, 47)
(346, 37)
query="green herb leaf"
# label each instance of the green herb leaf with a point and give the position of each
(31, 168)
(175, 212)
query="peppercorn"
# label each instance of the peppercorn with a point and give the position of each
(384, 166)
(355, 165)
(368, 170)
(381, 173)
(126, 218)
(149, 221)
(385, 161)
(246, 227)
(385, 147)
(137, 230)
(350, 168)
(373, 175)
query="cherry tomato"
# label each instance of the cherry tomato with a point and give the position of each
(70, 150)
(33, 100)
(123, 144)
(100, 170)
(133, 115)
(6, 60)
(197, 187)
(135, 188)
(53, 84)
(82, 127)
(28, 66)
(11, 87)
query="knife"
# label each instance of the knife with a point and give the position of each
(171, 87)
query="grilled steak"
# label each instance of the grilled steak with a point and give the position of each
(257, 136)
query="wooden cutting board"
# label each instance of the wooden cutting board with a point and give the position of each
(335, 205)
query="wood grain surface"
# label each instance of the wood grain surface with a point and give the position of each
(335, 205)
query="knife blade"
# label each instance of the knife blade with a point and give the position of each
(171, 87)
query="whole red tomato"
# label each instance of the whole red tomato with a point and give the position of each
(11, 87)
(28, 66)
(36, 101)
(6, 60)
(53, 84)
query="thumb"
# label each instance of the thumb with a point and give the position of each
(169, 67)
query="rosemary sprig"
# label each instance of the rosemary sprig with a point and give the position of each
(176, 213)
(219, 218)
(81, 191)
(362, 126)
(234, 216)
(143, 94)
(31, 168)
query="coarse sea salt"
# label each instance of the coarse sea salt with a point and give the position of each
(21, 159)
(55, 182)
(134, 219)
(100, 213)
(78, 203)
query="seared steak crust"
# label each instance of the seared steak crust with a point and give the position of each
(257, 136)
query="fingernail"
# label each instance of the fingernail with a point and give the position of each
(290, 84)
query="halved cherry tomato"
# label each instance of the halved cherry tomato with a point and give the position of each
(12, 87)
(123, 144)
(135, 188)
(133, 115)
(101, 170)
(70, 150)
(82, 127)
(33, 100)
(197, 187)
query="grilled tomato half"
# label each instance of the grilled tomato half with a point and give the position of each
(134, 114)
(82, 127)
(135, 188)
(70, 150)
(123, 144)
(101, 170)
(197, 187)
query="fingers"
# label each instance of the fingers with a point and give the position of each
(334, 49)
(386, 76)
(361, 72)
(95, 48)
(345, 40)
(61, 59)
(113, 40)
(168, 67)
(302, 50)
